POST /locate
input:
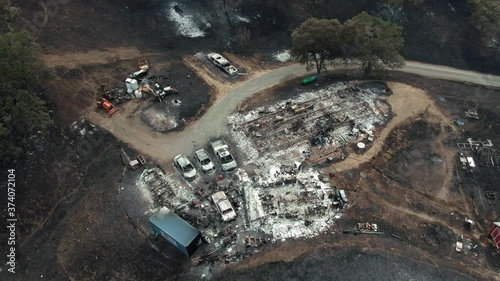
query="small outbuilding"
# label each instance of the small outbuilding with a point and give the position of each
(175, 230)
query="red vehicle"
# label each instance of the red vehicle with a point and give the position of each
(108, 106)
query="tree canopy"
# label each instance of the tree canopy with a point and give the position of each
(317, 41)
(372, 41)
(23, 112)
(486, 13)
(376, 42)
(7, 15)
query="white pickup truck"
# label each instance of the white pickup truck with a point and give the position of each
(221, 151)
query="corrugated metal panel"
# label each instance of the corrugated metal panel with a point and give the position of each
(174, 227)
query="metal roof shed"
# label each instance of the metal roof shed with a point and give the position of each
(175, 230)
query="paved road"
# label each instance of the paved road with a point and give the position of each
(448, 73)
(214, 121)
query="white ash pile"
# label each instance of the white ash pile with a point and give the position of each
(83, 127)
(286, 201)
(164, 189)
(328, 118)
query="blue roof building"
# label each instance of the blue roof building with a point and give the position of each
(175, 230)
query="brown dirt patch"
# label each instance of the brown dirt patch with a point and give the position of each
(104, 56)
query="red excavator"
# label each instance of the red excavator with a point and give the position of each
(108, 106)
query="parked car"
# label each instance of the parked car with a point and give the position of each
(221, 151)
(206, 164)
(224, 206)
(185, 166)
(222, 63)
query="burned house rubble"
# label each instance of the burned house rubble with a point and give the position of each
(277, 193)
(275, 204)
(318, 124)
(483, 151)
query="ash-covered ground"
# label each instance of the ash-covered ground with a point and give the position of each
(72, 209)
(102, 222)
(174, 111)
(436, 32)
(347, 264)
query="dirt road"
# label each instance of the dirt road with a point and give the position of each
(453, 74)
(214, 122)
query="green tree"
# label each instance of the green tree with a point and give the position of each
(23, 112)
(316, 42)
(374, 42)
(486, 13)
(7, 15)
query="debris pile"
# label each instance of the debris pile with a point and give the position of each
(140, 84)
(326, 120)
(83, 127)
(280, 202)
(472, 114)
(282, 56)
(483, 150)
(165, 189)
(287, 202)
(284, 198)
(367, 227)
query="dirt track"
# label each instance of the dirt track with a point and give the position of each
(78, 59)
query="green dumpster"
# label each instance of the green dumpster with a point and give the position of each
(309, 80)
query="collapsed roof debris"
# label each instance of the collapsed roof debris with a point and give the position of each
(277, 203)
(330, 118)
(279, 196)
(165, 189)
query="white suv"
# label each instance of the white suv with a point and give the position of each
(206, 164)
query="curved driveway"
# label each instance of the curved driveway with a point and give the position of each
(214, 121)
